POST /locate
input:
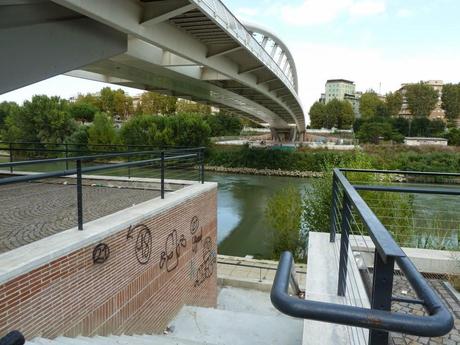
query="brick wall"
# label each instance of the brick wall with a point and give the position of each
(154, 268)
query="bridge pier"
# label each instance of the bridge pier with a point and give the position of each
(284, 135)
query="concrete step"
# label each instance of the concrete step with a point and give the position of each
(225, 327)
(246, 301)
(117, 340)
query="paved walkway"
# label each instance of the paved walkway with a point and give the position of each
(402, 288)
(32, 211)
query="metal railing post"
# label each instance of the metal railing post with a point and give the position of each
(129, 167)
(202, 164)
(344, 244)
(79, 196)
(382, 290)
(11, 157)
(162, 174)
(66, 156)
(333, 230)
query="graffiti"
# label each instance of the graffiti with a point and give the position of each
(143, 246)
(101, 253)
(194, 226)
(206, 269)
(171, 254)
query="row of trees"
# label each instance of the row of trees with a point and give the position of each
(374, 129)
(338, 114)
(158, 120)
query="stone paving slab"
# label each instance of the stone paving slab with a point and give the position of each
(402, 288)
(34, 210)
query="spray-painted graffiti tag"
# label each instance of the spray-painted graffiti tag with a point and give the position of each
(170, 256)
(196, 238)
(143, 246)
(206, 269)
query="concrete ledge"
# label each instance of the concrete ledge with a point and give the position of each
(426, 260)
(26, 258)
(321, 285)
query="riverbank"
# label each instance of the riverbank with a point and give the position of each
(264, 172)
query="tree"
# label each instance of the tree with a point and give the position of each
(332, 111)
(152, 103)
(421, 99)
(346, 117)
(223, 124)
(7, 108)
(372, 132)
(140, 130)
(83, 111)
(284, 211)
(317, 115)
(115, 102)
(43, 119)
(102, 131)
(453, 136)
(393, 101)
(185, 106)
(451, 101)
(369, 104)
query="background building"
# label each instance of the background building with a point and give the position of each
(437, 113)
(342, 89)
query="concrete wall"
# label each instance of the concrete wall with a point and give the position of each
(162, 256)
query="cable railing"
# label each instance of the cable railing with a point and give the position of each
(217, 10)
(368, 258)
(179, 164)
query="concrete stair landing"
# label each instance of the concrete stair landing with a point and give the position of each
(242, 317)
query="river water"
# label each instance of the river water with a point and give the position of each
(242, 226)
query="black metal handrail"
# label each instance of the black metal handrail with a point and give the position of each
(165, 156)
(13, 338)
(438, 323)
(379, 318)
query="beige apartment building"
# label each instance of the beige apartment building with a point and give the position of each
(437, 113)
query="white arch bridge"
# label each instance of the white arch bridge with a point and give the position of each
(194, 49)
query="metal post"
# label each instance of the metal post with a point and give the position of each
(162, 172)
(202, 165)
(66, 156)
(333, 229)
(129, 167)
(344, 244)
(11, 157)
(382, 290)
(79, 196)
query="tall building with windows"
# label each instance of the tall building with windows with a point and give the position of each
(342, 89)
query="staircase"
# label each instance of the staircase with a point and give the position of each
(242, 317)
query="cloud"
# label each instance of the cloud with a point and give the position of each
(315, 12)
(367, 8)
(404, 13)
(247, 12)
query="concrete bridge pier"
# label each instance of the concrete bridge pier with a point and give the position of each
(284, 135)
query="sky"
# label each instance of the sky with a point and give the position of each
(378, 44)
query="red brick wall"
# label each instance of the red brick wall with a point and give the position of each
(73, 296)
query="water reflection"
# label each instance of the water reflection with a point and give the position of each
(242, 227)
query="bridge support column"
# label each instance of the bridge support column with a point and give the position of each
(284, 135)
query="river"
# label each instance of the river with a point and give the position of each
(242, 226)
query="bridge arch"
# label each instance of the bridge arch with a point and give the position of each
(277, 49)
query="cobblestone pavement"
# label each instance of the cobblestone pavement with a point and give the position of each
(402, 288)
(32, 211)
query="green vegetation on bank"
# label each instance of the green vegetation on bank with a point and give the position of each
(393, 157)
